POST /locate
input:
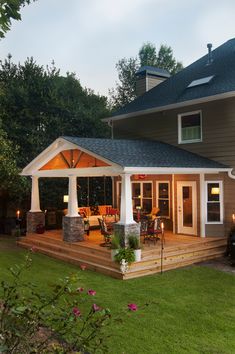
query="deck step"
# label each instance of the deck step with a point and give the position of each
(98, 258)
(157, 269)
(185, 249)
(70, 252)
(112, 271)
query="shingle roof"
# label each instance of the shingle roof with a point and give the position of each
(143, 153)
(174, 90)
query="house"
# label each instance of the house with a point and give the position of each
(173, 148)
(193, 110)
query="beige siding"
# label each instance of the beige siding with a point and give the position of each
(218, 129)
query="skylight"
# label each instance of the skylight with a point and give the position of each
(202, 81)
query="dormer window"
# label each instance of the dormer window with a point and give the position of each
(190, 127)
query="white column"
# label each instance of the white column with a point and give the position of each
(202, 206)
(73, 200)
(126, 214)
(35, 201)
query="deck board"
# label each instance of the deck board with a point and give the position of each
(179, 251)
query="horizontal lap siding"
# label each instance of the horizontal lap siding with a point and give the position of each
(218, 129)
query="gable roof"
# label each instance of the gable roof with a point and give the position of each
(143, 153)
(175, 90)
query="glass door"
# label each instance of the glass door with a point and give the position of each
(187, 208)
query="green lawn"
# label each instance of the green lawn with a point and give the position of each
(194, 310)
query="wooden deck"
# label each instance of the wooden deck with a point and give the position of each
(179, 251)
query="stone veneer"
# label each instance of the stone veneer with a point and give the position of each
(33, 219)
(73, 228)
(125, 230)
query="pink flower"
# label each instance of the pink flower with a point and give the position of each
(91, 292)
(83, 266)
(76, 312)
(80, 290)
(95, 307)
(33, 249)
(132, 307)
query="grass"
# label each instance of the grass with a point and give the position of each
(194, 309)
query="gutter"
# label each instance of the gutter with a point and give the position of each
(170, 106)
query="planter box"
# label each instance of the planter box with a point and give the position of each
(137, 255)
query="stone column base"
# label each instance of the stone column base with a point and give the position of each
(73, 228)
(33, 219)
(123, 231)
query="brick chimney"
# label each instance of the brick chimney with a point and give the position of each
(148, 77)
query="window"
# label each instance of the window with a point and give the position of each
(214, 202)
(189, 127)
(163, 198)
(141, 195)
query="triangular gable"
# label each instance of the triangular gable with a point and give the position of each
(73, 158)
(62, 155)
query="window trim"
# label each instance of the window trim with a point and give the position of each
(169, 196)
(141, 191)
(119, 191)
(180, 115)
(221, 201)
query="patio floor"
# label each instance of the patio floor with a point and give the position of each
(179, 251)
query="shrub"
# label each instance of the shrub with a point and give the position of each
(125, 253)
(134, 242)
(115, 242)
(32, 321)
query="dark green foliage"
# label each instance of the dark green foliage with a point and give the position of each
(134, 242)
(37, 106)
(10, 10)
(124, 91)
(125, 253)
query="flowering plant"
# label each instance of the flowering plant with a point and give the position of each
(31, 321)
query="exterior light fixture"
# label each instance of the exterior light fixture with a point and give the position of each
(215, 190)
(66, 199)
(233, 217)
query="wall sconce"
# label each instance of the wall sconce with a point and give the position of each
(66, 198)
(233, 217)
(215, 190)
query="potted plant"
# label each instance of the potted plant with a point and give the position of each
(115, 246)
(134, 243)
(125, 253)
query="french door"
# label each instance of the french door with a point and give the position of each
(187, 208)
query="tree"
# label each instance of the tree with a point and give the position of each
(10, 10)
(10, 181)
(124, 91)
(37, 106)
(147, 55)
(166, 60)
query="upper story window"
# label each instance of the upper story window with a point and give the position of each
(190, 127)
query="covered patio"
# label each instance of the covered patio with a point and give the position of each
(145, 175)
